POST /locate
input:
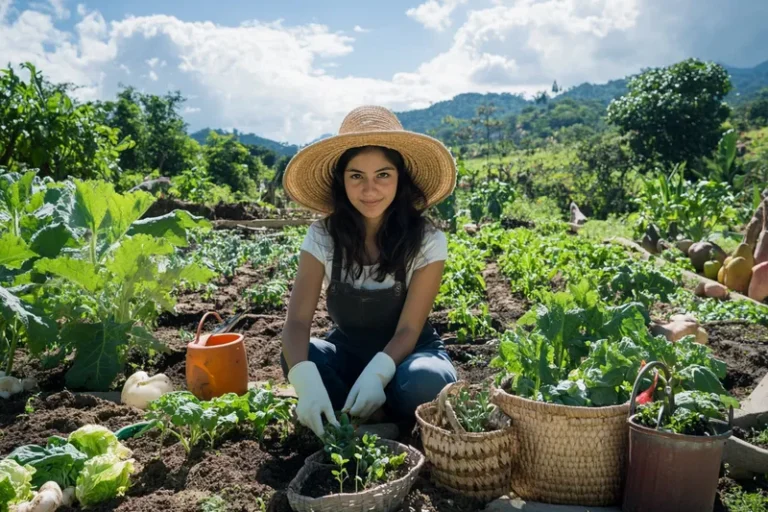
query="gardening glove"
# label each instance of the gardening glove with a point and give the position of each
(367, 394)
(313, 397)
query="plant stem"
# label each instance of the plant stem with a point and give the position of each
(12, 349)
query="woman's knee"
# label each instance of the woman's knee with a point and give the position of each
(419, 379)
(320, 352)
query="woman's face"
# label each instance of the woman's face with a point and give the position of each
(371, 183)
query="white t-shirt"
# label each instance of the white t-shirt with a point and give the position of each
(318, 242)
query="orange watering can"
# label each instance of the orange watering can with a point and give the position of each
(217, 363)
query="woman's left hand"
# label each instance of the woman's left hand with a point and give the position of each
(367, 395)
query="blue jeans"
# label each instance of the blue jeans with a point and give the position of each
(418, 378)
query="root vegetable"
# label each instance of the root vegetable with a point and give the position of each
(68, 496)
(738, 274)
(761, 246)
(758, 285)
(712, 290)
(140, 389)
(48, 499)
(679, 327)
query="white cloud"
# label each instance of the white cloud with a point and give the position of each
(435, 14)
(360, 29)
(59, 10)
(283, 81)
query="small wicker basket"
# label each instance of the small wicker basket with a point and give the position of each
(475, 464)
(383, 498)
(568, 455)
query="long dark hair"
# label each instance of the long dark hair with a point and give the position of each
(401, 230)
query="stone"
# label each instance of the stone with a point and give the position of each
(757, 401)
(513, 503)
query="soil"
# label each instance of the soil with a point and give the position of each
(323, 483)
(239, 469)
(228, 211)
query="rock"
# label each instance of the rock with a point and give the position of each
(577, 217)
(702, 252)
(679, 327)
(153, 186)
(470, 228)
(513, 503)
(744, 459)
(684, 245)
(757, 401)
(651, 239)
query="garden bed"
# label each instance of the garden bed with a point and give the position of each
(240, 470)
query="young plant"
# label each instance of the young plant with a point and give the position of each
(341, 474)
(693, 410)
(473, 409)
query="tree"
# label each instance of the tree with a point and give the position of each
(230, 163)
(43, 128)
(673, 114)
(489, 123)
(757, 109)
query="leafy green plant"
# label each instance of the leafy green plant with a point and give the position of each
(582, 352)
(122, 275)
(373, 461)
(693, 410)
(470, 325)
(268, 295)
(473, 409)
(739, 500)
(191, 420)
(462, 281)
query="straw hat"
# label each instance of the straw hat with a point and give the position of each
(308, 177)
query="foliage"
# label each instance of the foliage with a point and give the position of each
(673, 114)
(473, 409)
(697, 209)
(738, 500)
(708, 310)
(583, 352)
(462, 281)
(268, 295)
(693, 409)
(373, 462)
(190, 420)
(44, 128)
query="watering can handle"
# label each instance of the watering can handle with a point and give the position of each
(200, 325)
(638, 380)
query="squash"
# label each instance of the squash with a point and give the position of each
(712, 290)
(140, 389)
(711, 268)
(702, 252)
(737, 275)
(744, 250)
(761, 246)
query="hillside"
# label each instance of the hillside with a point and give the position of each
(746, 83)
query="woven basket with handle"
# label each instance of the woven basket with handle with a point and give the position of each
(568, 455)
(382, 498)
(475, 464)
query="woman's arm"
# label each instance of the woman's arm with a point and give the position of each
(422, 290)
(301, 308)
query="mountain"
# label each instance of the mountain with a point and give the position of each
(249, 138)
(463, 106)
(746, 83)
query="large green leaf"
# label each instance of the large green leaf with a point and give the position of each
(49, 241)
(80, 272)
(40, 330)
(91, 203)
(123, 211)
(16, 189)
(133, 253)
(97, 359)
(172, 226)
(14, 251)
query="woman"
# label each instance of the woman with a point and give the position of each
(382, 262)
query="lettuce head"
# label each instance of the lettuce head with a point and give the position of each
(103, 477)
(15, 483)
(95, 440)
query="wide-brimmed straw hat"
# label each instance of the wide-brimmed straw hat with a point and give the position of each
(308, 177)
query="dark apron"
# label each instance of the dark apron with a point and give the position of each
(366, 320)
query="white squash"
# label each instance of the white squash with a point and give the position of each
(140, 389)
(10, 386)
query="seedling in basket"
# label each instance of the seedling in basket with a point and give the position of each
(473, 410)
(373, 462)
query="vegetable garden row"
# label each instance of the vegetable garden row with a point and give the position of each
(540, 323)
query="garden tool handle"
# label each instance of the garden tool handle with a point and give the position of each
(639, 378)
(200, 325)
(444, 408)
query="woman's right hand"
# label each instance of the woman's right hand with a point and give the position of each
(313, 397)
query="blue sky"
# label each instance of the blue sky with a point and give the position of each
(290, 70)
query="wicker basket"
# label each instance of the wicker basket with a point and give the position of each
(568, 455)
(383, 498)
(478, 465)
